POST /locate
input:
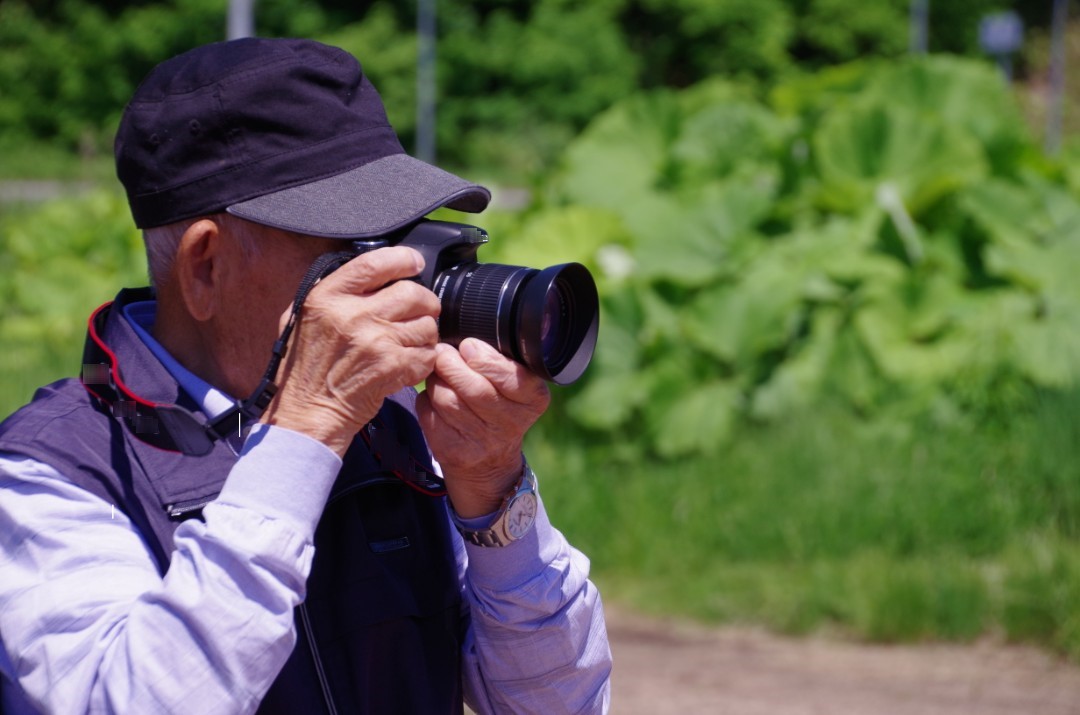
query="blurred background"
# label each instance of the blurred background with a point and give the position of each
(837, 242)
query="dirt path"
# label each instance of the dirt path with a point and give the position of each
(664, 668)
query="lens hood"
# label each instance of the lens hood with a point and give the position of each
(558, 320)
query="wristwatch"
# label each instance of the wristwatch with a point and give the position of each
(513, 520)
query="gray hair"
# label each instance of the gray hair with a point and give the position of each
(162, 242)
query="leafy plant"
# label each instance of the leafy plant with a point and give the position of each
(902, 247)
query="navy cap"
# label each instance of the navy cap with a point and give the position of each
(283, 132)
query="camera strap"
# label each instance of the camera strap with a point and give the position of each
(391, 454)
(256, 404)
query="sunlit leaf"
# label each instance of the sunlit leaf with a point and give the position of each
(699, 422)
(797, 382)
(608, 400)
(857, 149)
(619, 158)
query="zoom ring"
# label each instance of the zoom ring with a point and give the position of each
(486, 301)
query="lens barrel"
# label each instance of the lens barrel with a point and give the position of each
(546, 319)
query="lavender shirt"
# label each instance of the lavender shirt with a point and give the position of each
(88, 625)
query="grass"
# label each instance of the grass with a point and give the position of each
(885, 532)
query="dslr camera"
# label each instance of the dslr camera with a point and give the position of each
(545, 319)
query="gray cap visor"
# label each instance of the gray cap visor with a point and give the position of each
(376, 198)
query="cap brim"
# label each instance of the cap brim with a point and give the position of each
(376, 198)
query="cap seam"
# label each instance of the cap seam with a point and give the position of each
(245, 72)
(306, 180)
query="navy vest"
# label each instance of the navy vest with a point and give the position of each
(381, 628)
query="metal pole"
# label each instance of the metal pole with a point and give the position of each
(241, 19)
(425, 81)
(917, 32)
(1057, 78)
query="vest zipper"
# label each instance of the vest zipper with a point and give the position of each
(183, 507)
(323, 682)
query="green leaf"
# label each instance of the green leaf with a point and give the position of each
(965, 95)
(613, 385)
(1049, 346)
(860, 148)
(1033, 211)
(619, 158)
(739, 323)
(798, 381)
(715, 141)
(608, 400)
(563, 235)
(673, 241)
(699, 422)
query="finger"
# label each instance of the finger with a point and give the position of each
(418, 364)
(443, 419)
(451, 379)
(511, 379)
(403, 300)
(419, 332)
(461, 379)
(374, 270)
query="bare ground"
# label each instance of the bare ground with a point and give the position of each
(666, 667)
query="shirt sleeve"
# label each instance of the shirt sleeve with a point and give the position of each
(89, 625)
(537, 642)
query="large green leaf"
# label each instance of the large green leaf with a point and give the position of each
(861, 148)
(563, 235)
(618, 160)
(964, 95)
(609, 400)
(1032, 210)
(797, 382)
(613, 385)
(739, 323)
(886, 332)
(718, 139)
(851, 372)
(1049, 344)
(674, 240)
(699, 421)
(1043, 269)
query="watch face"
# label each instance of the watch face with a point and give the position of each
(520, 515)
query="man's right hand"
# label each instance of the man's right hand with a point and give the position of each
(364, 333)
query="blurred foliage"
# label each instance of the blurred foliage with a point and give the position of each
(58, 261)
(517, 78)
(885, 235)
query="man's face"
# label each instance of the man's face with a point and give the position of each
(257, 299)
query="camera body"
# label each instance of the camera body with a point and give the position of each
(547, 319)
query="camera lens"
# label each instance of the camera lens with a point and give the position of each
(546, 319)
(551, 324)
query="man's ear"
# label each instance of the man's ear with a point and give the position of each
(197, 269)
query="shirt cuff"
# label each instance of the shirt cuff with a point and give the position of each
(284, 475)
(505, 568)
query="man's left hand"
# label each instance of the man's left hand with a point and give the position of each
(474, 411)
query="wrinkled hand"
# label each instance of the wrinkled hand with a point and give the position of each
(475, 411)
(363, 335)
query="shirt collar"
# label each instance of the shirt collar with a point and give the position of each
(211, 400)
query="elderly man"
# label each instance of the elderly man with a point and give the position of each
(236, 509)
